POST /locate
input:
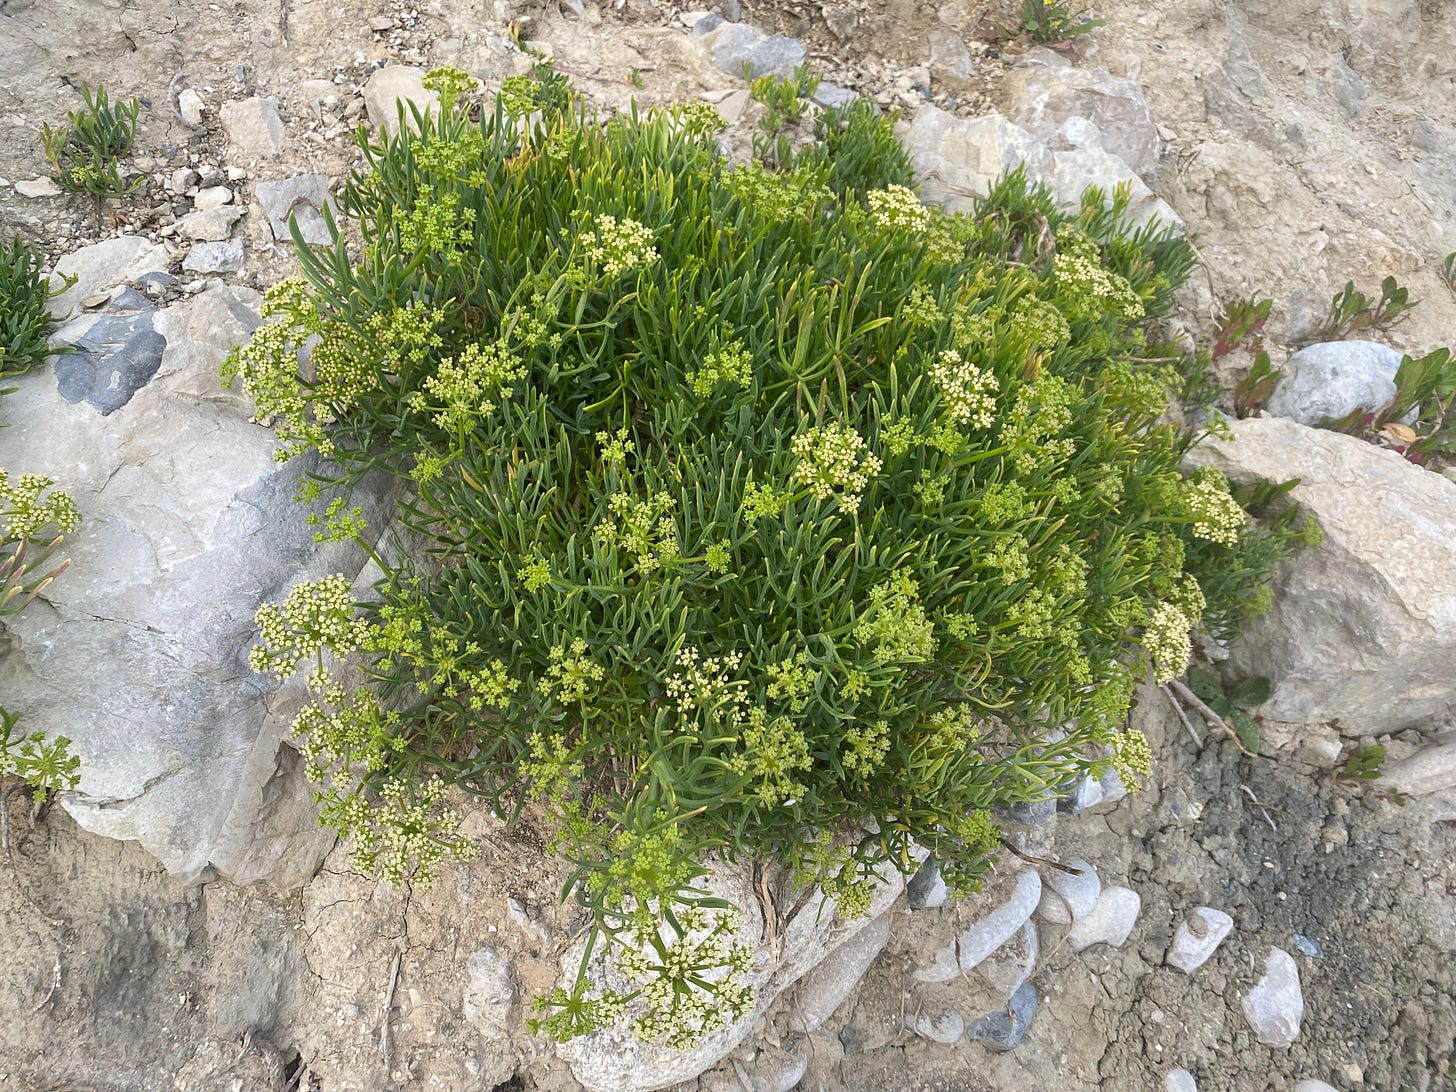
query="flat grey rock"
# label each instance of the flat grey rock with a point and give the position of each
(983, 937)
(1079, 893)
(304, 197)
(223, 257)
(210, 225)
(1005, 1029)
(116, 353)
(825, 987)
(254, 126)
(1110, 922)
(393, 87)
(102, 266)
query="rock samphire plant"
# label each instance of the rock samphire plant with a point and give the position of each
(86, 152)
(746, 514)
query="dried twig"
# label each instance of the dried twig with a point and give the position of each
(1029, 859)
(1267, 817)
(389, 1004)
(1209, 715)
(1197, 742)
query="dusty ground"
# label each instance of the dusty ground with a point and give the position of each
(1305, 144)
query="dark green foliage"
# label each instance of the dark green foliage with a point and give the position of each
(1055, 20)
(766, 512)
(25, 294)
(1351, 311)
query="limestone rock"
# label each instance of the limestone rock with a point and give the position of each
(38, 187)
(730, 46)
(946, 1028)
(304, 197)
(394, 86)
(102, 266)
(1198, 938)
(959, 159)
(1363, 628)
(1179, 1080)
(210, 225)
(949, 56)
(1334, 378)
(616, 1061)
(1313, 1086)
(490, 992)
(1430, 770)
(825, 987)
(1275, 1006)
(254, 127)
(223, 257)
(117, 351)
(1012, 963)
(927, 890)
(1079, 893)
(983, 937)
(1110, 921)
(1004, 1030)
(1043, 94)
(139, 652)
(212, 196)
(190, 105)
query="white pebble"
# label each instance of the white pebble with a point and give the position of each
(1080, 893)
(1275, 1006)
(1314, 1086)
(1198, 938)
(1110, 921)
(1179, 1080)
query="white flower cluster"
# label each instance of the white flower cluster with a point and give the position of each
(315, 615)
(1217, 516)
(692, 985)
(834, 459)
(469, 384)
(614, 246)
(700, 681)
(897, 207)
(968, 392)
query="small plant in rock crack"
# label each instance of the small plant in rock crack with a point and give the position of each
(35, 519)
(1351, 310)
(762, 513)
(1243, 322)
(1055, 20)
(1426, 387)
(1448, 271)
(1233, 702)
(25, 295)
(786, 101)
(86, 153)
(1364, 765)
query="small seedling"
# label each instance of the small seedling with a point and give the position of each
(1364, 765)
(1234, 702)
(86, 153)
(1241, 320)
(1253, 390)
(1351, 310)
(1448, 271)
(1055, 20)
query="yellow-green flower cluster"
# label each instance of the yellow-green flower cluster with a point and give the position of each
(1004, 502)
(571, 675)
(1166, 640)
(615, 246)
(344, 730)
(866, 745)
(1216, 516)
(1042, 410)
(535, 574)
(896, 208)
(405, 836)
(967, 392)
(1131, 756)
(691, 985)
(774, 751)
(435, 225)
(762, 501)
(615, 447)
(894, 623)
(834, 460)
(27, 515)
(796, 195)
(642, 528)
(1038, 324)
(697, 117)
(1009, 557)
(465, 388)
(727, 364)
(920, 308)
(315, 615)
(791, 680)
